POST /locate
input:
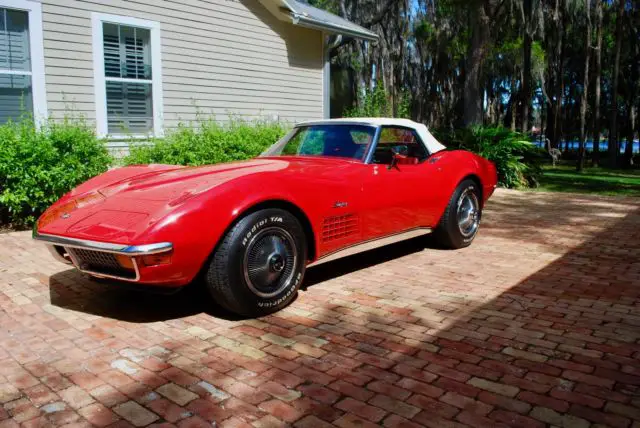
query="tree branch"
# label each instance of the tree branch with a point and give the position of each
(376, 19)
(495, 13)
(343, 10)
(380, 15)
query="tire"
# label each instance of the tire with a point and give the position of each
(461, 220)
(259, 265)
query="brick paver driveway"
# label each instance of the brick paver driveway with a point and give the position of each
(537, 323)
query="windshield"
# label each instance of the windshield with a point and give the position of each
(345, 141)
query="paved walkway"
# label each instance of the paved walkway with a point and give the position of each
(538, 323)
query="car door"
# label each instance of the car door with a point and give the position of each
(337, 193)
(398, 188)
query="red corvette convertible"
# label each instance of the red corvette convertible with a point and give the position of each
(249, 229)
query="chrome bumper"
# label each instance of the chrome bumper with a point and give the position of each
(54, 241)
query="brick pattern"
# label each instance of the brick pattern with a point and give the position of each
(536, 324)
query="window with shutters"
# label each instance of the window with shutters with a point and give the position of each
(21, 61)
(127, 68)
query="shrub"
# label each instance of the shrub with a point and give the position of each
(376, 102)
(37, 166)
(209, 142)
(517, 160)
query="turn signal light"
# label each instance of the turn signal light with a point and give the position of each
(156, 259)
(125, 261)
(55, 213)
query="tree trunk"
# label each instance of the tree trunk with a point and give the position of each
(585, 89)
(560, 49)
(628, 150)
(632, 94)
(476, 53)
(513, 103)
(549, 130)
(597, 86)
(613, 131)
(526, 72)
(555, 71)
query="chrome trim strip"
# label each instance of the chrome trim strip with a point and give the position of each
(372, 244)
(368, 159)
(127, 250)
(118, 278)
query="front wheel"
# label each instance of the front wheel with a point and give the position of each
(258, 266)
(460, 222)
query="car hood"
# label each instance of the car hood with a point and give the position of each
(122, 209)
(179, 184)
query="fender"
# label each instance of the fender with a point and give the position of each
(459, 165)
(203, 221)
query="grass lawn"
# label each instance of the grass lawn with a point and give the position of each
(604, 181)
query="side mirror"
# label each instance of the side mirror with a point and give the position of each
(397, 152)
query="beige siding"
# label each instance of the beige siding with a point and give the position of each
(218, 57)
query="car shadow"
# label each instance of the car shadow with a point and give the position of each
(75, 291)
(347, 265)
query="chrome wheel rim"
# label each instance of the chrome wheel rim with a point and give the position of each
(468, 213)
(269, 261)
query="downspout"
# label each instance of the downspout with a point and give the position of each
(330, 43)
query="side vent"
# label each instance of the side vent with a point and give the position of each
(338, 227)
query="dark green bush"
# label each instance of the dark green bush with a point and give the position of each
(376, 102)
(209, 142)
(37, 166)
(517, 160)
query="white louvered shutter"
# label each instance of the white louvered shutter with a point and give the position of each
(127, 61)
(15, 65)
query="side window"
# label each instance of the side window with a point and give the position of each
(410, 145)
(307, 141)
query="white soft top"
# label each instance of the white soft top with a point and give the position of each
(429, 140)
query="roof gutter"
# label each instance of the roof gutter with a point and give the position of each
(310, 22)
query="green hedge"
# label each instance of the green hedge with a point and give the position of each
(38, 166)
(209, 142)
(517, 160)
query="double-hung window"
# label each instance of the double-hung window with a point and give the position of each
(22, 89)
(127, 72)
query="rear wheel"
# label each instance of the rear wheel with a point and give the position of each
(460, 222)
(258, 266)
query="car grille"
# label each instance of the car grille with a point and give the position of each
(100, 262)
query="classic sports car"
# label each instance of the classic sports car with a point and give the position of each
(249, 229)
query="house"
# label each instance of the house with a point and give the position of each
(139, 67)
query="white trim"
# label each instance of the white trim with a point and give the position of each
(326, 78)
(122, 137)
(127, 80)
(99, 80)
(38, 86)
(15, 72)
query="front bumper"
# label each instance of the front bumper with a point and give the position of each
(101, 259)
